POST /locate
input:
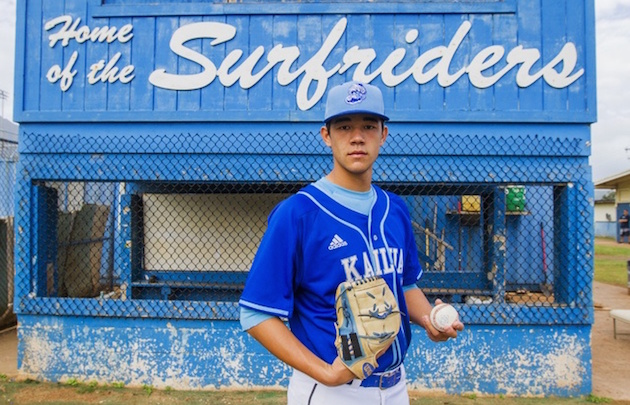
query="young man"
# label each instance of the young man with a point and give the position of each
(624, 227)
(340, 228)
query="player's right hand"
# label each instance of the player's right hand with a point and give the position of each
(338, 374)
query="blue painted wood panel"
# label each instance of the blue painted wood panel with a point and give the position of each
(520, 361)
(541, 26)
(141, 92)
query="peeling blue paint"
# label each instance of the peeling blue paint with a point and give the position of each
(532, 361)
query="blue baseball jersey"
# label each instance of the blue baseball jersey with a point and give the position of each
(311, 245)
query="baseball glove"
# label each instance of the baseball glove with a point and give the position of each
(368, 320)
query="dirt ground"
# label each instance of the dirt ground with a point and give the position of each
(611, 357)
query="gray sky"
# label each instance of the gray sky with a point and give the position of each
(7, 49)
(610, 135)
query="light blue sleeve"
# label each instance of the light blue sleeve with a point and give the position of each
(251, 318)
(409, 287)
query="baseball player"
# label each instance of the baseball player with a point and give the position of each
(340, 228)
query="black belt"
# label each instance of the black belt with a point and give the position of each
(383, 380)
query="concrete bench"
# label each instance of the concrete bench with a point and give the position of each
(622, 315)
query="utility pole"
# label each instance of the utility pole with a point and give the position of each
(3, 96)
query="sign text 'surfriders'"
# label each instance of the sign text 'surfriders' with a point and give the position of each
(484, 69)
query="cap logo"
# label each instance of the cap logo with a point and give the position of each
(356, 94)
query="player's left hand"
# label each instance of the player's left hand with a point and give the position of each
(435, 335)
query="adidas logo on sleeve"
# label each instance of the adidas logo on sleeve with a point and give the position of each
(337, 242)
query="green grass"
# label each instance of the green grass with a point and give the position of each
(608, 271)
(30, 393)
(622, 251)
(611, 262)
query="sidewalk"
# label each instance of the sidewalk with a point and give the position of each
(611, 358)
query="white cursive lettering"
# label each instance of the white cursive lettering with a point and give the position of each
(109, 72)
(65, 76)
(313, 70)
(71, 30)
(434, 63)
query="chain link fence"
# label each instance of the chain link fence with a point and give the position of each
(503, 252)
(8, 160)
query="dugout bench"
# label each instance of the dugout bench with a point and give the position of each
(622, 315)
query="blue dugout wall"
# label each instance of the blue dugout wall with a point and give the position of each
(155, 139)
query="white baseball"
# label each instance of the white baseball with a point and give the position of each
(443, 316)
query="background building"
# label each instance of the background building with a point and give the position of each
(605, 214)
(620, 183)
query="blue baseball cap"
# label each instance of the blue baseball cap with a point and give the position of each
(354, 98)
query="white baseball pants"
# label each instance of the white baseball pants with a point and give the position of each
(303, 390)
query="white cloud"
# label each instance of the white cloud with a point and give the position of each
(612, 9)
(7, 50)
